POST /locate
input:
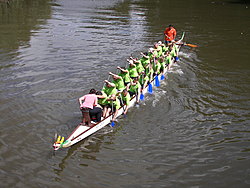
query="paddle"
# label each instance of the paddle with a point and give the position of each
(136, 96)
(157, 82)
(142, 95)
(123, 107)
(150, 88)
(191, 45)
(112, 122)
(162, 76)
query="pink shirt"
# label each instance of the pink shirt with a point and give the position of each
(90, 100)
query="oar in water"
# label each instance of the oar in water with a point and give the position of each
(150, 88)
(123, 107)
(142, 95)
(186, 44)
(157, 82)
(162, 76)
(112, 108)
(191, 45)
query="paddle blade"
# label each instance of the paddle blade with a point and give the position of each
(141, 97)
(150, 88)
(162, 77)
(192, 45)
(112, 124)
(157, 82)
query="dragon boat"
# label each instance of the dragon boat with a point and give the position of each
(82, 131)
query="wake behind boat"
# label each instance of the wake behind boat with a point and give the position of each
(82, 131)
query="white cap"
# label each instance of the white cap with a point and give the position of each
(159, 42)
(130, 61)
(151, 49)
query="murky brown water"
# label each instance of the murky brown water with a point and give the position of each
(192, 132)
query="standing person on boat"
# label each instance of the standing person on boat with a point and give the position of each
(170, 34)
(87, 102)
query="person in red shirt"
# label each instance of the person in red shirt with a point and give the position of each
(170, 34)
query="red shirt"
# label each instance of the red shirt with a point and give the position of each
(171, 33)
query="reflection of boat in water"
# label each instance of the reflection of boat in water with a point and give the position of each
(81, 131)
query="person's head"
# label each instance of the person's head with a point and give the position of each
(151, 50)
(113, 96)
(92, 91)
(125, 92)
(170, 26)
(131, 62)
(156, 45)
(135, 80)
(98, 93)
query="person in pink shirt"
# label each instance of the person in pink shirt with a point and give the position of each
(87, 102)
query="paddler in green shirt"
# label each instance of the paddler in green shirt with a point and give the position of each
(109, 89)
(135, 89)
(149, 71)
(102, 101)
(114, 104)
(152, 53)
(168, 60)
(145, 59)
(118, 81)
(143, 79)
(158, 49)
(163, 64)
(125, 75)
(132, 70)
(139, 66)
(125, 97)
(157, 67)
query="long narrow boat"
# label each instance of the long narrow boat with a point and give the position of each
(81, 131)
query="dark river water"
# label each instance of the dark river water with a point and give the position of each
(193, 131)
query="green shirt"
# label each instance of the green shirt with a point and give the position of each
(144, 61)
(139, 67)
(159, 51)
(126, 99)
(119, 84)
(133, 72)
(143, 79)
(103, 101)
(134, 88)
(149, 71)
(169, 58)
(116, 103)
(125, 76)
(157, 67)
(109, 90)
